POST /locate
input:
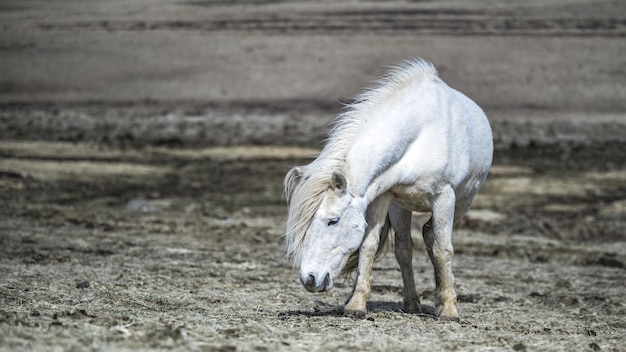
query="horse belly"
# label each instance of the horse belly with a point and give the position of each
(413, 197)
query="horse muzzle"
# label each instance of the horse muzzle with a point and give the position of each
(316, 283)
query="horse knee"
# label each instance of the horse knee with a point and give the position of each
(443, 254)
(368, 249)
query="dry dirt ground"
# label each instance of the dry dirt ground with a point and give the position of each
(143, 145)
(105, 248)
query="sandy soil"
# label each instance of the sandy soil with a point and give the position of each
(143, 145)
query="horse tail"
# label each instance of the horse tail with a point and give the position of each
(385, 234)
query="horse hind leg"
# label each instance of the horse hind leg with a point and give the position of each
(437, 234)
(401, 223)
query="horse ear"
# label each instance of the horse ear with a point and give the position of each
(297, 173)
(294, 176)
(338, 182)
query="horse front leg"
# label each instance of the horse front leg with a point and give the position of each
(376, 215)
(437, 234)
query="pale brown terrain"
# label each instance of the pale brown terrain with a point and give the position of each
(143, 145)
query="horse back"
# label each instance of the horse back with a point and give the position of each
(454, 147)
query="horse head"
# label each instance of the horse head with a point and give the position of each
(335, 231)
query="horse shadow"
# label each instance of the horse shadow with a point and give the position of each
(326, 310)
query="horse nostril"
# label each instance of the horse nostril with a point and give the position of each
(326, 282)
(310, 281)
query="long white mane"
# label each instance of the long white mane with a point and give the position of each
(305, 186)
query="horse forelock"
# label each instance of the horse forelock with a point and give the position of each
(304, 195)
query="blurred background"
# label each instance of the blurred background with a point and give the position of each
(546, 59)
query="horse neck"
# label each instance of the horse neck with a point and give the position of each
(362, 167)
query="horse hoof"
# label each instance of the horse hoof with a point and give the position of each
(447, 313)
(355, 314)
(413, 308)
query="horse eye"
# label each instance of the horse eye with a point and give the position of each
(333, 221)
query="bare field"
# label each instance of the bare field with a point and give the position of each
(104, 248)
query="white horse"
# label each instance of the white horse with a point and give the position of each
(410, 144)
